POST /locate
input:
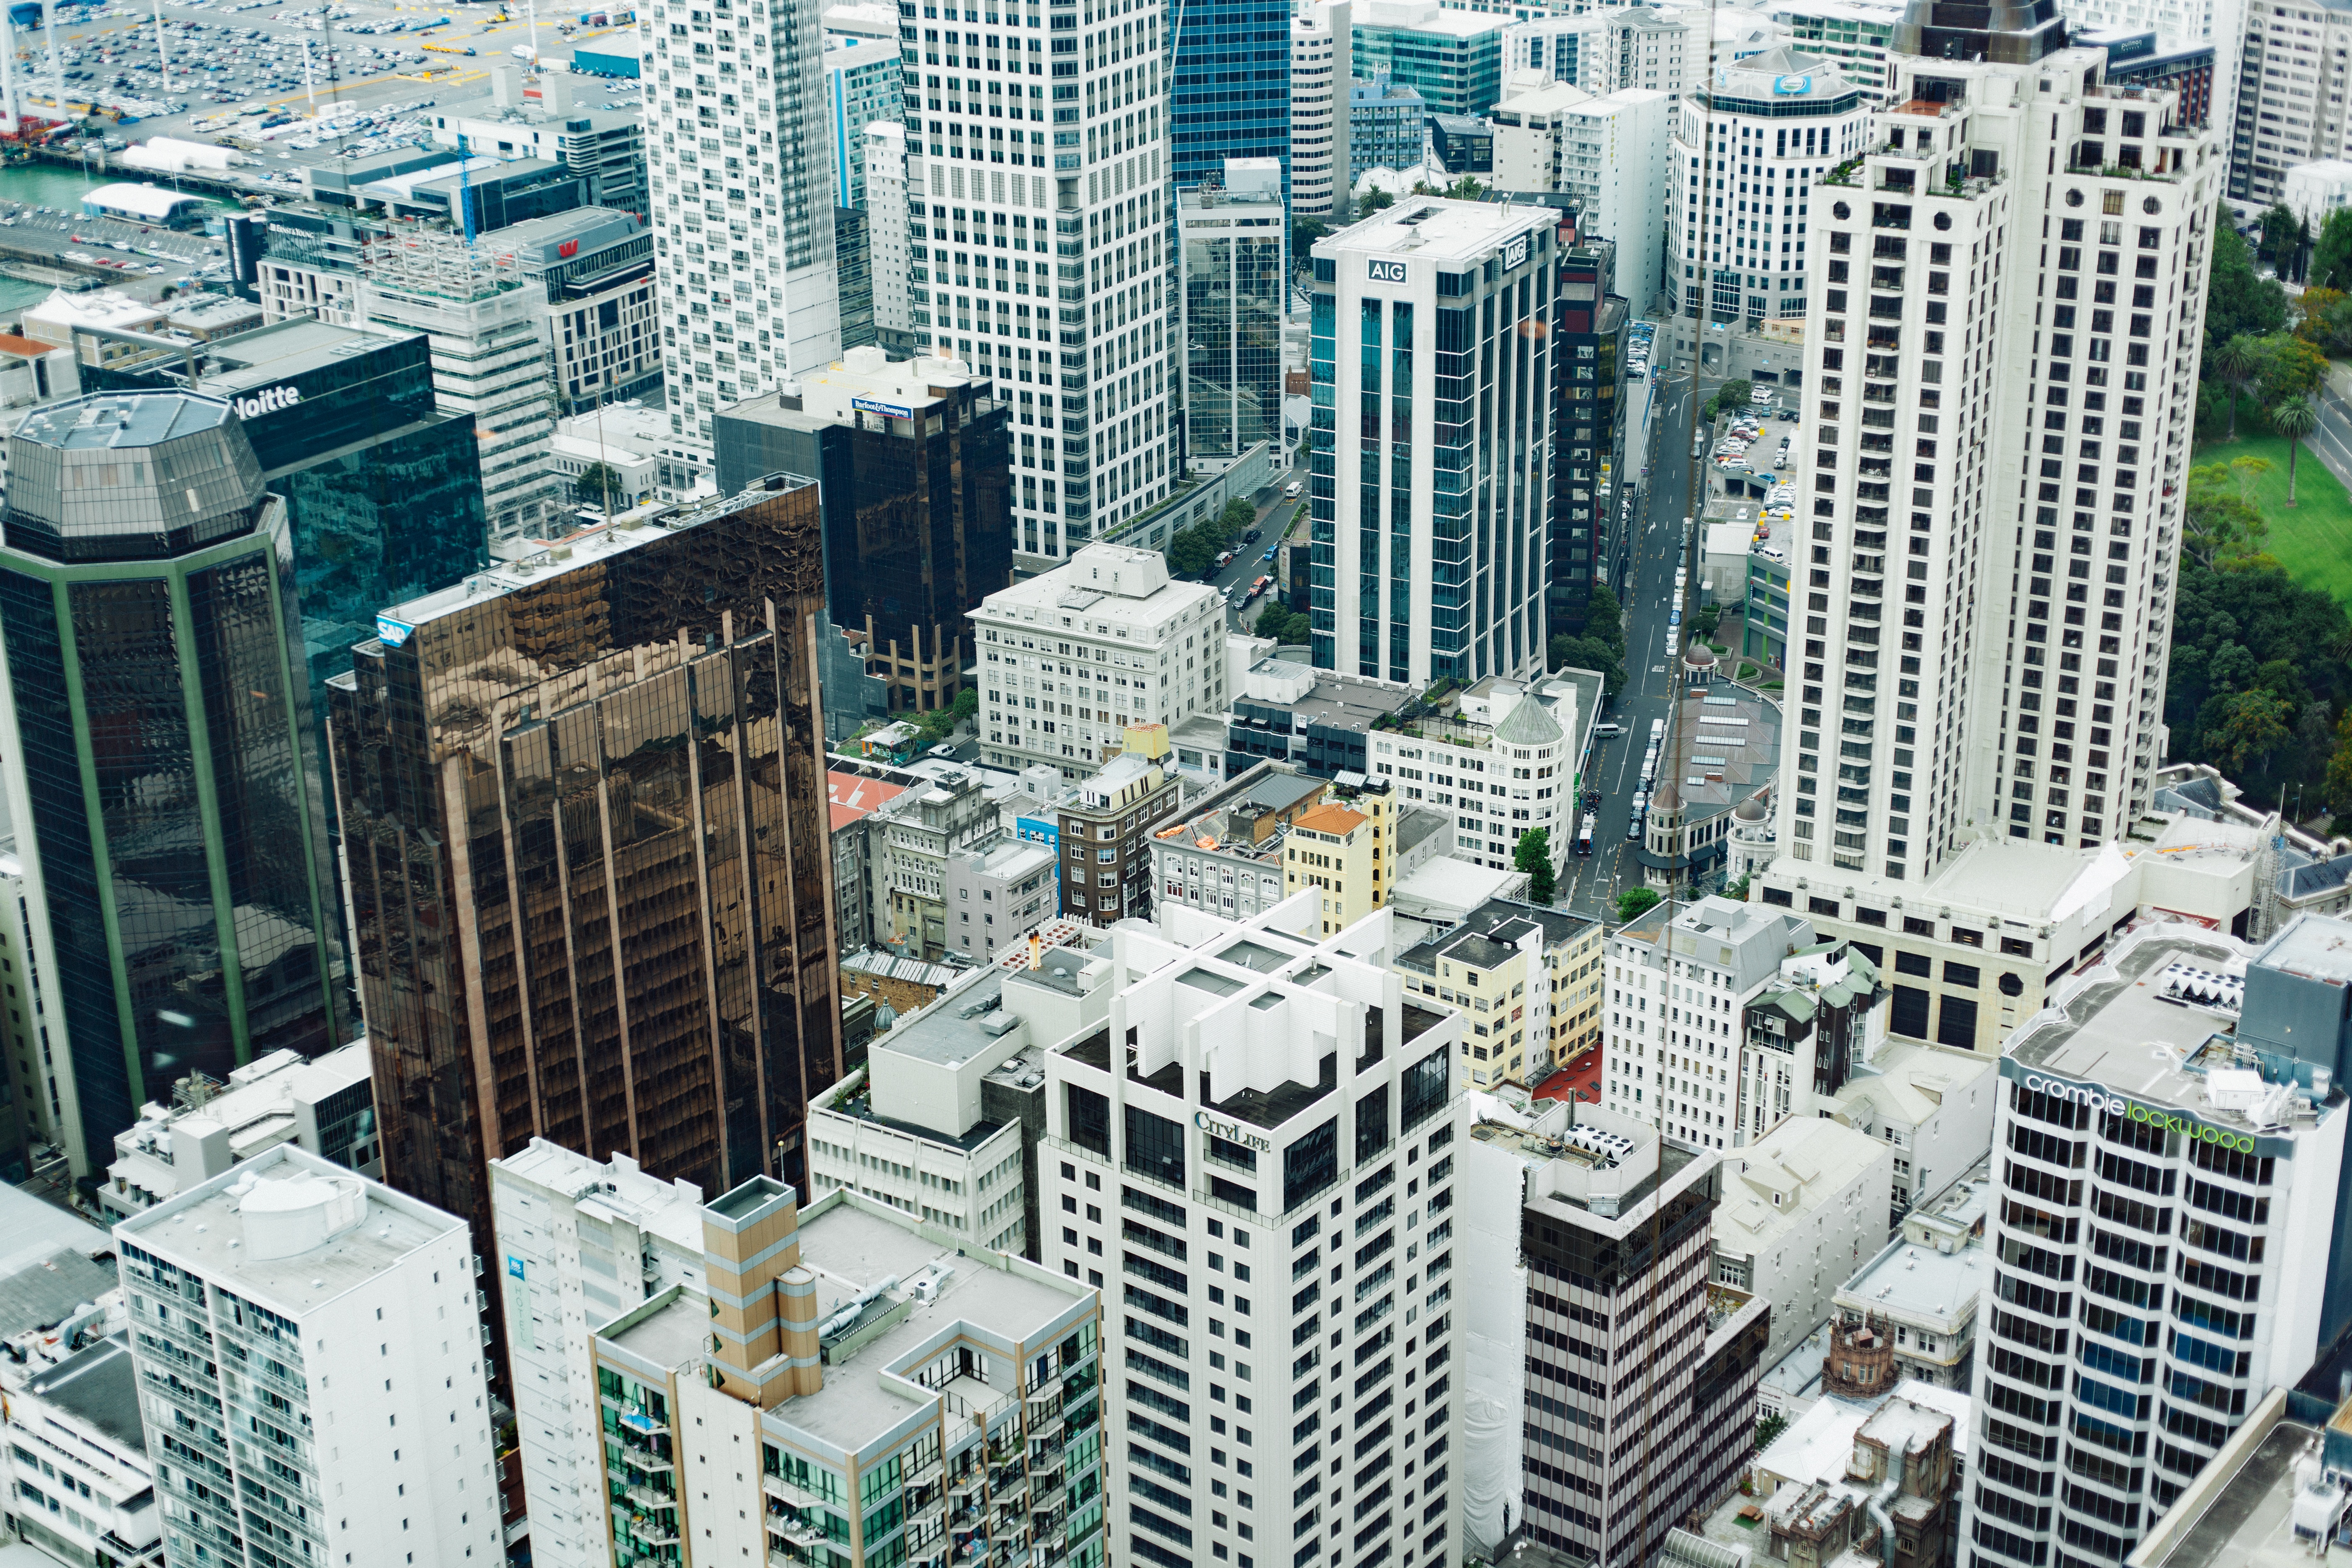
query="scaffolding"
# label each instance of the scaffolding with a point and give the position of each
(446, 266)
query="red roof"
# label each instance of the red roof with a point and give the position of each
(851, 796)
(11, 343)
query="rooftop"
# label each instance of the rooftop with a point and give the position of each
(1915, 1283)
(1430, 229)
(100, 1387)
(1729, 747)
(2250, 1506)
(243, 1227)
(1801, 1165)
(118, 421)
(1772, 75)
(282, 350)
(2123, 1025)
(852, 795)
(617, 1189)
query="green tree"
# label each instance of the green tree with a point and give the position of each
(2293, 419)
(2251, 726)
(1466, 189)
(2337, 780)
(1304, 233)
(1633, 901)
(2290, 368)
(2280, 229)
(1707, 618)
(2331, 254)
(1604, 617)
(2237, 362)
(1533, 855)
(1767, 1430)
(1729, 398)
(1372, 200)
(1588, 653)
(2219, 521)
(966, 704)
(1737, 890)
(600, 485)
(1238, 515)
(1193, 550)
(2239, 301)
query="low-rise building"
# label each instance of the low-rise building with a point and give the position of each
(1318, 720)
(1501, 759)
(326, 1106)
(581, 1241)
(912, 837)
(1725, 747)
(1344, 851)
(1803, 1207)
(852, 1375)
(644, 457)
(1932, 1103)
(1804, 1034)
(854, 791)
(1227, 855)
(1530, 978)
(1919, 1295)
(901, 984)
(1387, 126)
(2277, 1496)
(81, 1485)
(1104, 830)
(999, 893)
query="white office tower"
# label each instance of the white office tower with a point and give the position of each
(1614, 158)
(580, 1242)
(886, 232)
(2003, 358)
(1252, 1160)
(2287, 112)
(1430, 360)
(740, 159)
(1320, 32)
(309, 1354)
(1739, 211)
(1054, 275)
(2164, 1232)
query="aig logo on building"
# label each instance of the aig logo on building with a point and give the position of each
(1385, 271)
(1514, 252)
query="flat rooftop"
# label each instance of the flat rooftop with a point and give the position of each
(1915, 1278)
(119, 420)
(267, 355)
(615, 1189)
(1433, 229)
(2249, 1523)
(99, 1385)
(2126, 1029)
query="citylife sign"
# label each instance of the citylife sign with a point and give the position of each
(268, 402)
(1230, 1132)
(2099, 1097)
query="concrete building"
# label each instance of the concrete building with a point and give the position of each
(1153, 652)
(862, 87)
(1932, 1103)
(2140, 57)
(1319, 722)
(913, 836)
(1527, 976)
(890, 261)
(1421, 594)
(1884, 1481)
(2172, 1154)
(1680, 979)
(1614, 1388)
(1501, 761)
(925, 442)
(1920, 1296)
(1344, 853)
(1746, 154)
(1104, 830)
(1803, 1207)
(1453, 59)
(650, 463)
(1723, 748)
(601, 143)
(294, 1266)
(596, 266)
(1614, 161)
(580, 1242)
(1388, 127)
(1854, 34)
(740, 160)
(81, 1487)
(1592, 517)
(1531, 119)
(1281, 1113)
(1805, 1034)
(1322, 60)
(1227, 856)
(2276, 1497)
(1000, 894)
(1231, 242)
(324, 1106)
(862, 1368)
(2038, 719)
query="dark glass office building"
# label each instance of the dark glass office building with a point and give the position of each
(584, 824)
(384, 493)
(914, 460)
(175, 850)
(1230, 87)
(1590, 484)
(1232, 244)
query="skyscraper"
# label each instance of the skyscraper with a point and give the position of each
(2014, 298)
(743, 196)
(1229, 93)
(1319, 74)
(158, 730)
(582, 807)
(1092, 333)
(1233, 239)
(1430, 348)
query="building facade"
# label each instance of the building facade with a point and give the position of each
(1803, 1207)
(1854, 34)
(1417, 579)
(1388, 127)
(1321, 67)
(581, 978)
(596, 268)
(1069, 660)
(286, 1267)
(913, 461)
(1528, 975)
(1231, 240)
(1501, 764)
(1104, 831)
(1748, 153)
(739, 164)
(81, 1487)
(862, 85)
(325, 1107)
(1229, 87)
(1590, 520)
(1453, 58)
(1263, 1103)
(159, 736)
(889, 259)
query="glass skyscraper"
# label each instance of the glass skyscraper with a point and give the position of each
(1232, 279)
(1231, 83)
(176, 849)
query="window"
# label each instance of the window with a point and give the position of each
(1372, 1133)
(1090, 1119)
(1310, 1165)
(1907, 1013)
(1155, 1146)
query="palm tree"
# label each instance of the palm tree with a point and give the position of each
(2293, 419)
(2237, 359)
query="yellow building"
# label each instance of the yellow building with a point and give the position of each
(1346, 847)
(1528, 978)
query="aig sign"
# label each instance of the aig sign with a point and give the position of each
(1386, 271)
(1514, 252)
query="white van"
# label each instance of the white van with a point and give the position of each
(1291, 489)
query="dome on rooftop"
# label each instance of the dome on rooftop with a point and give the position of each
(1749, 810)
(1528, 723)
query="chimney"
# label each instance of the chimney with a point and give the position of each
(1036, 951)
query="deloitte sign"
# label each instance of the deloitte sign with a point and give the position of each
(267, 402)
(2099, 1098)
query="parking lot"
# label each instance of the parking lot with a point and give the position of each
(247, 74)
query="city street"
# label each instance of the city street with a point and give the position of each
(1590, 887)
(1248, 563)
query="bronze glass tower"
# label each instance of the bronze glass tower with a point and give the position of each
(583, 805)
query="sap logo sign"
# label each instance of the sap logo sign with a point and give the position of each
(268, 402)
(1386, 272)
(392, 633)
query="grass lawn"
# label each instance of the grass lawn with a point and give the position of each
(2312, 539)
